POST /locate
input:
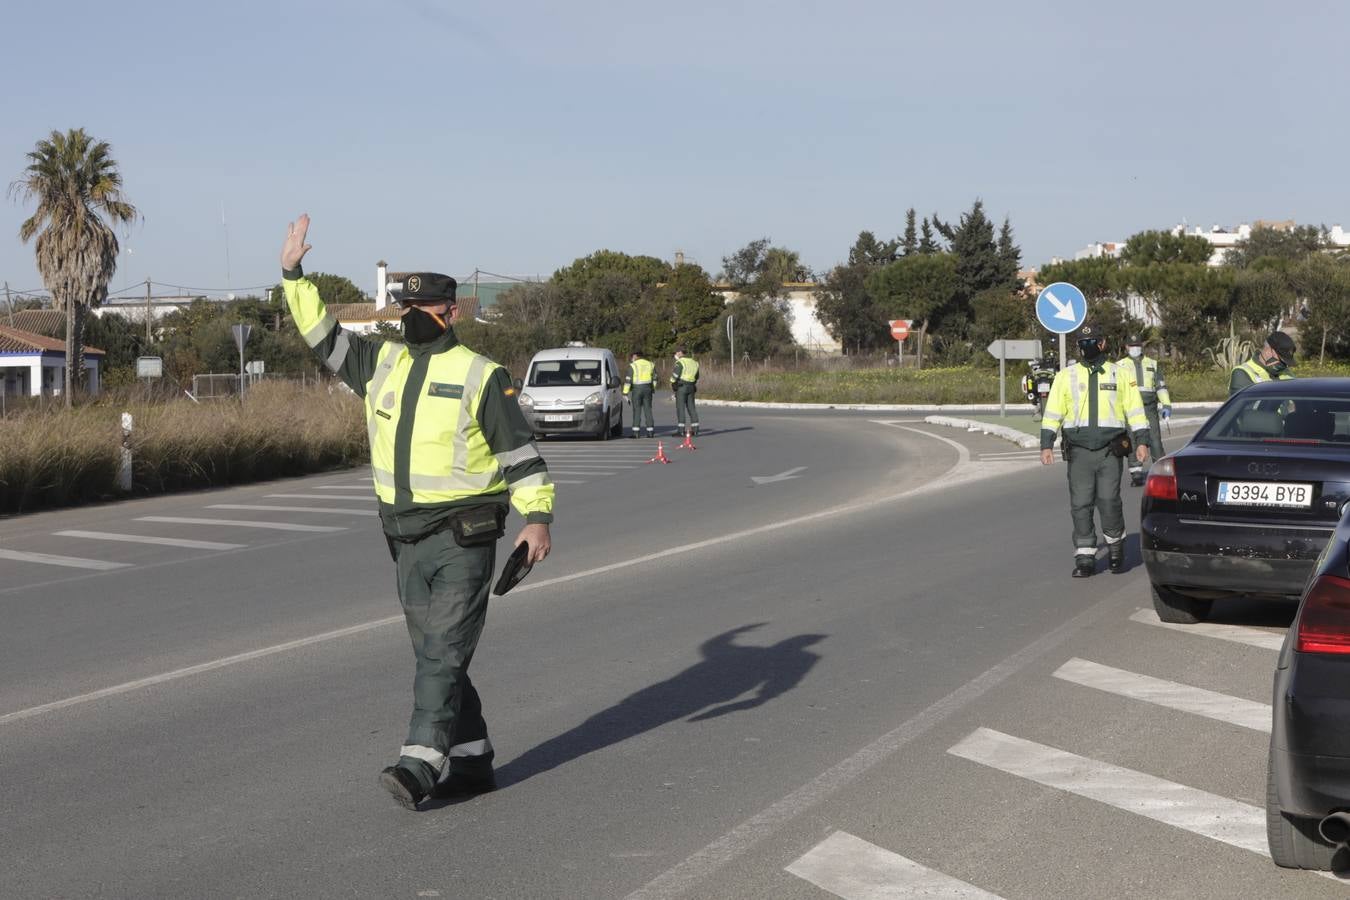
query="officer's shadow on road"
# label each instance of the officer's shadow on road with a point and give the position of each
(703, 691)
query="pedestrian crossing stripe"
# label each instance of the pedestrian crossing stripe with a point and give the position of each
(854, 869)
(1169, 694)
(1237, 634)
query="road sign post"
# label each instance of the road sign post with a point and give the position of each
(241, 333)
(900, 330)
(1006, 350)
(1061, 308)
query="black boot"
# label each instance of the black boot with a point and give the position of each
(464, 783)
(403, 786)
(1117, 557)
(651, 432)
(1084, 566)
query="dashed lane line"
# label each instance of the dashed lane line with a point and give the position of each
(240, 523)
(301, 509)
(146, 539)
(1237, 634)
(1169, 694)
(854, 869)
(69, 562)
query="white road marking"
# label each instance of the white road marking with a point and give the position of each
(627, 464)
(304, 509)
(240, 523)
(69, 562)
(1237, 634)
(1182, 697)
(139, 683)
(578, 472)
(358, 497)
(564, 481)
(368, 485)
(1199, 812)
(143, 539)
(854, 869)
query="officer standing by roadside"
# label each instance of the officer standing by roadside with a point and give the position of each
(1272, 363)
(684, 382)
(1148, 374)
(447, 442)
(1096, 404)
(640, 385)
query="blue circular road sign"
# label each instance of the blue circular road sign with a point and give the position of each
(1061, 307)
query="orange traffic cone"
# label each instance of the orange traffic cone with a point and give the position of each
(660, 456)
(688, 440)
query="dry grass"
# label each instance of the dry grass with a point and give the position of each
(53, 457)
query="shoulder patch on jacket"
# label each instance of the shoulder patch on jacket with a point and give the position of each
(449, 391)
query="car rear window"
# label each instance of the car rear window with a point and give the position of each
(1282, 418)
(565, 372)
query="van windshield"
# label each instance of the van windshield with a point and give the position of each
(565, 373)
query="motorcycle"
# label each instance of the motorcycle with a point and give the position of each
(1036, 386)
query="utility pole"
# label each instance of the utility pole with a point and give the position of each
(147, 315)
(10, 304)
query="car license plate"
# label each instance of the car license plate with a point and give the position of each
(557, 418)
(1265, 493)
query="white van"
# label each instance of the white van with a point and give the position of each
(573, 390)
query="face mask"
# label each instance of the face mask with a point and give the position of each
(421, 327)
(1276, 367)
(1089, 350)
(1135, 352)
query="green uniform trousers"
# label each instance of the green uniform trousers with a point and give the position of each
(443, 589)
(685, 413)
(642, 407)
(1155, 447)
(1094, 483)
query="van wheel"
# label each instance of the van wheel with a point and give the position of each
(605, 431)
(617, 430)
(1178, 608)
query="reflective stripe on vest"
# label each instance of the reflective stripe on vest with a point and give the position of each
(1148, 381)
(449, 458)
(1259, 374)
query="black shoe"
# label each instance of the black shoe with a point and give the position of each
(461, 785)
(633, 435)
(403, 786)
(1085, 566)
(1117, 557)
(651, 432)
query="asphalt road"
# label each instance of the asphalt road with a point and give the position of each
(872, 674)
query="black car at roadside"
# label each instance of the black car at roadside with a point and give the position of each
(1248, 505)
(1308, 776)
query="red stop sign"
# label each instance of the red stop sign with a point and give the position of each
(900, 329)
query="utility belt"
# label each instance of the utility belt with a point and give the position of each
(472, 526)
(1118, 445)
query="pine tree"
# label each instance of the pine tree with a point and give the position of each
(910, 242)
(1009, 255)
(927, 243)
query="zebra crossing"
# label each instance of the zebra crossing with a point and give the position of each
(349, 496)
(846, 866)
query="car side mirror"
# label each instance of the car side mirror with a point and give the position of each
(615, 382)
(518, 384)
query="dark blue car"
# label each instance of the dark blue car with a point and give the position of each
(1308, 781)
(1248, 505)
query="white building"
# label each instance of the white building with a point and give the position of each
(807, 329)
(32, 365)
(1225, 239)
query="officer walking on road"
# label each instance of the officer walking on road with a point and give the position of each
(1272, 363)
(1095, 404)
(684, 382)
(640, 385)
(447, 443)
(1148, 375)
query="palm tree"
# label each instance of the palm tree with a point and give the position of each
(76, 183)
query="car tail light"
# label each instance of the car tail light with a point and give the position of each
(1324, 623)
(1162, 480)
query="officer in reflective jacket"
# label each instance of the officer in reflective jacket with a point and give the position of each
(1273, 362)
(1095, 404)
(640, 385)
(447, 443)
(1148, 374)
(684, 382)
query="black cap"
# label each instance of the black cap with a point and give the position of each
(1090, 333)
(1134, 340)
(426, 287)
(1283, 345)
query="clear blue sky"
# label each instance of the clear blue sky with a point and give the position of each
(515, 137)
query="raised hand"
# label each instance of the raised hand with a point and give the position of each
(295, 247)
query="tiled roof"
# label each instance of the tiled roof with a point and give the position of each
(362, 312)
(49, 322)
(15, 340)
